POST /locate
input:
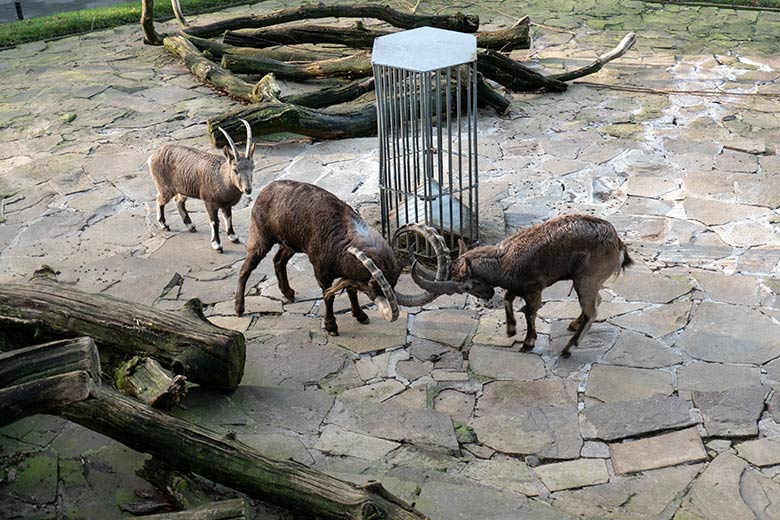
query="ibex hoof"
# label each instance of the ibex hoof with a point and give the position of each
(333, 333)
(565, 354)
(363, 318)
(165, 227)
(511, 331)
(239, 310)
(216, 247)
(191, 228)
(526, 347)
(234, 239)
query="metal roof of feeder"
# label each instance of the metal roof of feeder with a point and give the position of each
(424, 49)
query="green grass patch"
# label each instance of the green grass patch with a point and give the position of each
(78, 22)
(750, 4)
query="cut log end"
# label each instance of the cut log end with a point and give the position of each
(145, 379)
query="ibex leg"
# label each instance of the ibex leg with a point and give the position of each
(329, 321)
(256, 249)
(589, 297)
(212, 212)
(511, 324)
(357, 312)
(533, 302)
(227, 212)
(280, 267)
(185, 216)
(161, 202)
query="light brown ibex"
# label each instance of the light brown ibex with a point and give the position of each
(581, 248)
(219, 181)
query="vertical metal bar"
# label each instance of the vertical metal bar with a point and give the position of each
(439, 158)
(459, 125)
(393, 143)
(448, 86)
(19, 13)
(476, 166)
(380, 133)
(405, 136)
(427, 146)
(470, 124)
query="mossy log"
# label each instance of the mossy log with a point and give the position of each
(184, 342)
(41, 377)
(332, 95)
(232, 509)
(43, 395)
(359, 120)
(208, 71)
(214, 50)
(456, 22)
(144, 379)
(349, 67)
(179, 488)
(224, 460)
(359, 37)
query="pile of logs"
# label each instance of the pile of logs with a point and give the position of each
(251, 48)
(60, 348)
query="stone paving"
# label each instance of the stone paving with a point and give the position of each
(669, 409)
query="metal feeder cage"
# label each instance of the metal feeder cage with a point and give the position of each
(426, 94)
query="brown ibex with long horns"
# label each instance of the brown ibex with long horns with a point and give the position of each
(304, 218)
(181, 172)
(581, 248)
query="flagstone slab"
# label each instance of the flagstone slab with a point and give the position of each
(508, 397)
(573, 474)
(376, 336)
(424, 428)
(450, 327)
(549, 432)
(656, 321)
(731, 413)
(760, 494)
(283, 408)
(760, 452)
(731, 334)
(633, 349)
(611, 384)
(337, 441)
(376, 392)
(668, 449)
(513, 475)
(648, 286)
(715, 494)
(715, 377)
(613, 421)
(451, 501)
(504, 364)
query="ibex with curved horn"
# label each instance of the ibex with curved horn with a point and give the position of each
(581, 248)
(304, 218)
(219, 181)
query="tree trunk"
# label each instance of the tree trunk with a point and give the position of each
(350, 67)
(233, 509)
(43, 395)
(456, 22)
(358, 37)
(49, 359)
(267, 118)
(514, 75)
(185, 342)
(147, 23)
(205, 70)
(180, 489)
(144, 379)
(355, 37)
(332, 95)
(222, 459)
(38, 378)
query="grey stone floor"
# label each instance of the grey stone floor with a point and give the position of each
(668, 410)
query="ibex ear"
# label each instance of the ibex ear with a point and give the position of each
(228, 153)
(462, 247)
(465, 270)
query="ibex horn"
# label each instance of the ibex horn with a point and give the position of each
(230, 142)
(248, 136)
(442, 263)
(436, 287)
(388, 306)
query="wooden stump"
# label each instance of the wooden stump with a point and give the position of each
(144, 379)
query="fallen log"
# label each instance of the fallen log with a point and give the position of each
(185, 342)
(456, 22)
(144, 379)
(41, 377)
(222, 459)
(332, 95)
(49, 359)
(349, 67)
(359, 37)
(625, 44)
(43, 395)
(215, 50)
(232, 509)
(209, 72)
(179, 488)
(358, 120)
(514, 75)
